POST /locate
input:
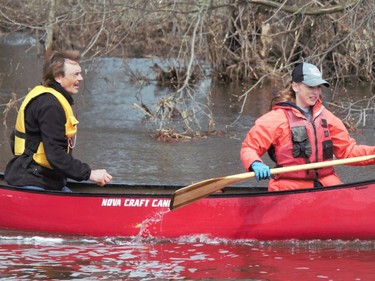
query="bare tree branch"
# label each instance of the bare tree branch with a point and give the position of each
(340, 7)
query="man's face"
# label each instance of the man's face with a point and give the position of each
(72, 78)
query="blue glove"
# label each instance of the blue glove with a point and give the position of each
(261, 170)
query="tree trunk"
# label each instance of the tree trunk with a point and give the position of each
(50, 28)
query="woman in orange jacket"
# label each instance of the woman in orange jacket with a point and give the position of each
(300, 130)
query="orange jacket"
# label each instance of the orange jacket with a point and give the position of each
(273, 129)
(310, 142)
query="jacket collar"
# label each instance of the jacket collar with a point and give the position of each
(61, 90)
(316, 109)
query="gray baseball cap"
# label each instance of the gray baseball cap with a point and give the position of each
(308, 74)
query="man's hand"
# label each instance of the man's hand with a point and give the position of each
(101, 177)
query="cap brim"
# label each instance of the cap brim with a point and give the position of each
(315, 82)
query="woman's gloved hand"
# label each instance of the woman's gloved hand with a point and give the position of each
(261, 170)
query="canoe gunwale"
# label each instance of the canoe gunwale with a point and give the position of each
(88, 189)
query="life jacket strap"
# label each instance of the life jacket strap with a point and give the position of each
(25, 136)
(31, 147)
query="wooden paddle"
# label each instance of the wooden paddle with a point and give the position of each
(199, 190)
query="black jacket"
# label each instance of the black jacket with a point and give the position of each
(45, 116)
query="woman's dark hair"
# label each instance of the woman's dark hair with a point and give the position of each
(54, 64)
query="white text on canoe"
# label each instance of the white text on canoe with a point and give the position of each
(131, 202)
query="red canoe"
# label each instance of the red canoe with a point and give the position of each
(342, 212)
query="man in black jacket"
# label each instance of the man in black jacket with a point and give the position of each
(45, 131)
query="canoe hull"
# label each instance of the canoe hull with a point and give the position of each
(331, 213)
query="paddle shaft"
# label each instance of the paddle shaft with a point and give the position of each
(199, 190)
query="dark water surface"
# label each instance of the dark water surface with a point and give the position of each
(113, 135)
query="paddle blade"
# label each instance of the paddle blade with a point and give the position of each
(192, 193)
(199, 190)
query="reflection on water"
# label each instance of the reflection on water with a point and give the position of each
(192, 258)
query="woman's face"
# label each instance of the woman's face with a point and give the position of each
(306, 96)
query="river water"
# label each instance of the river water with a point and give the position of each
(114, 135)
